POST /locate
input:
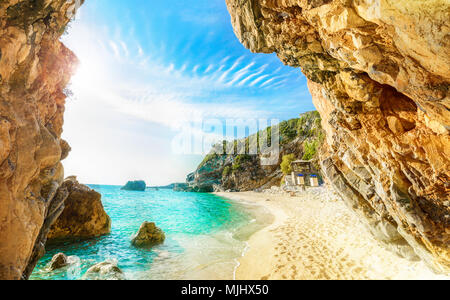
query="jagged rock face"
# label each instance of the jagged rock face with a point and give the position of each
(379, 73)
(34, 70)
(212, 177)
(83, 215)
(252, 175)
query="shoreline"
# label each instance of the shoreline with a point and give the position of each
(315, 236)
(248, 267)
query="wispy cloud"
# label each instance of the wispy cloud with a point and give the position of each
(170, 93)
(241, 73)
(125, 48)
(208, 69)
(115, 49)
(147, 77)
(160, 93)
(267, 82)
(259, 79)
(228, 71)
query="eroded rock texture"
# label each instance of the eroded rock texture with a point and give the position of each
(379, 73)
(83, 215)
(148, 235)
(34, 70)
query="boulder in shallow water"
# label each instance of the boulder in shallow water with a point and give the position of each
(107, 270)
(138, 185)
(59, 261)
(148, 235)
(83, 215)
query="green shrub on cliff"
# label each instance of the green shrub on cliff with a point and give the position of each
(241, 158)
(267, 135)
(310, 149)
(207, 159)
(309, 124)
(286, 163)
(226, 171)
(288, 130)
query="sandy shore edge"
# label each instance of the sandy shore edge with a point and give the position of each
(315, 236)
(250, 266)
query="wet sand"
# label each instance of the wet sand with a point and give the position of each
(315, 236)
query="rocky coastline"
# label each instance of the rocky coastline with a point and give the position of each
(378, 73)
(242, 171)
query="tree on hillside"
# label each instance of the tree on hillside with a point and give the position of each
(310, 149)
(286, 163)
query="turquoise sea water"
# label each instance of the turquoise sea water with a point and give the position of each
(205, 235)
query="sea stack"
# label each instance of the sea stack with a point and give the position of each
(138, 185)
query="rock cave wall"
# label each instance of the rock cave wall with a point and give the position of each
(35, 68)
(379, 73)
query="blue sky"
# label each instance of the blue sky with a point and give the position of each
(147, 70)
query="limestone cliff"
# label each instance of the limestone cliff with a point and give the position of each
(379, 73)
(34, 70)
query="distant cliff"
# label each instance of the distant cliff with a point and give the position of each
(245, 172)
(171, 186)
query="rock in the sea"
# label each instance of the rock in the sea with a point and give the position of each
(138, 185)
(379, 74)
(148, 235)
(58, 261)
(107, 270)
(83, 215)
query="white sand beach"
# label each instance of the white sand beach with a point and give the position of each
(315, 236)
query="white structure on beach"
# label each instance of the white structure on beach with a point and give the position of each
(303, 174)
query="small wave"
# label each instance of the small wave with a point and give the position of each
(238, 263)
